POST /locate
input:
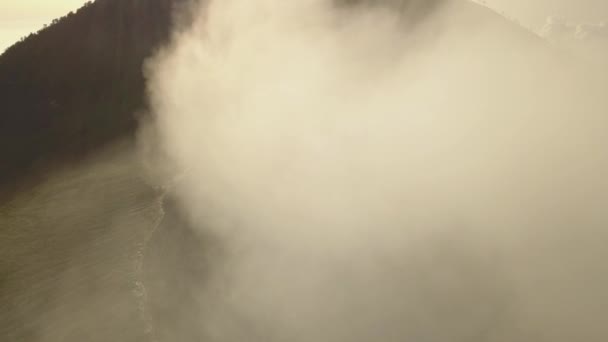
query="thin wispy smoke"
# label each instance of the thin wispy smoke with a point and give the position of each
(373, 179)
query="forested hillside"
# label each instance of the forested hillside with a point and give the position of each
(76, 85)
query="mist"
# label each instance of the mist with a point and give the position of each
(404, 171)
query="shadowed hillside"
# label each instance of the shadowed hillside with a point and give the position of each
(76, 84)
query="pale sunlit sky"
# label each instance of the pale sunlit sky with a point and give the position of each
(20, 17)
(533, 13)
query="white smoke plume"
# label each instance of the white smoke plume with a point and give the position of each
(382, 175)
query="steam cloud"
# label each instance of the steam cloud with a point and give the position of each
(377, 173)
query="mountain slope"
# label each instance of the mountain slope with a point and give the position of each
(76, 85)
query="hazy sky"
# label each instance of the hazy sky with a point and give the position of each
(534, 12)
(20, 17)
